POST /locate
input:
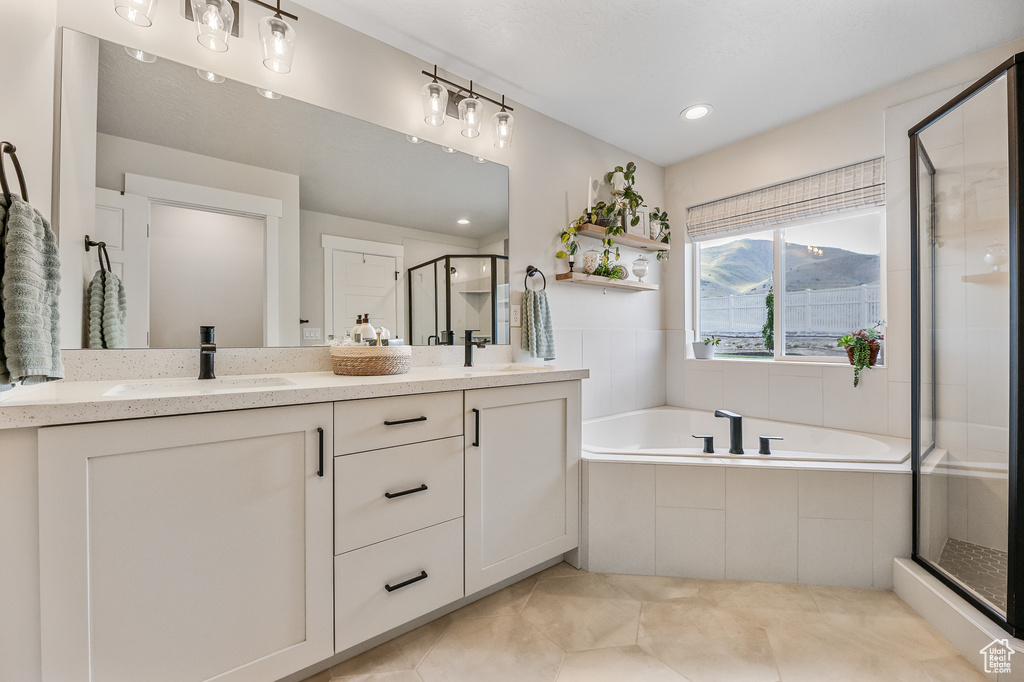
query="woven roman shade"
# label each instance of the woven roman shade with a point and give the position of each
(849, 188)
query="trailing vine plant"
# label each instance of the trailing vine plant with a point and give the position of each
(665, 234)
(861, 342)
(768, 330)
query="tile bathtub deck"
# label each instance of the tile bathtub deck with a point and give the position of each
(565, 625)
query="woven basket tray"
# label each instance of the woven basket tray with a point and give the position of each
(370, 360)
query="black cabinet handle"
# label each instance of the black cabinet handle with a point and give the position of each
(410, 581)
(476, 417)
(405, 421)
(406, 492)
(320, 471)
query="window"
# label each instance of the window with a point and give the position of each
(792, 291)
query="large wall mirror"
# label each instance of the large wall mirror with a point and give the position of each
(275, 220)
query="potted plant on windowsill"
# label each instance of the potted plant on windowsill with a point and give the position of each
(705, 350)
(862, 347)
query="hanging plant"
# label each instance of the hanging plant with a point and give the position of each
(862, 348)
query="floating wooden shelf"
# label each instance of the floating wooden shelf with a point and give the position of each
(988, 278)
(625, 239)
(598, 281)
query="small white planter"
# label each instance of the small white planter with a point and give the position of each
(702, 351)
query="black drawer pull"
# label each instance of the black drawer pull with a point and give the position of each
(405, 421)
(476, 418)
(406, 492)
(320, 470)
(410, 581)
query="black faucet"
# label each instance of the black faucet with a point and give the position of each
(207, 352)
(735, 431)
(470, 343)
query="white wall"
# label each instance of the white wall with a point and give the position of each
(863, 128)
(116, 156)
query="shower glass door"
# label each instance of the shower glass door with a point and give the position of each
(965, 186)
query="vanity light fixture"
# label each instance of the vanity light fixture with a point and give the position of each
(214, 21)
(435, 103)
(696, 111)
(278, 38)
(210, 76)
(140, 55)
(414, 139)
(138, 12)
(269, 94)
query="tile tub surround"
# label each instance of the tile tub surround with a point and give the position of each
(564, 625)
(70, 402)
(756, 521)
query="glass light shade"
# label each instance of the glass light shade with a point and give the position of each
(140, 55)
(210, 76)
(278, 38)
(503, 122)
(214, 19)
(435, 103)
(269, 94)
(469, 113)
(138, 12)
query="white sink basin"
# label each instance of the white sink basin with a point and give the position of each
(173, 387)
(501, 368)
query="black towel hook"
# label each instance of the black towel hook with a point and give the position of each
(10, 149)
(530, 272)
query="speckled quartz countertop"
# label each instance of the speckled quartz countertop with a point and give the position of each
(72, 402)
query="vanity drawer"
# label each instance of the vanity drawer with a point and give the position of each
(364, 607)
(376, 423)
(424, 482)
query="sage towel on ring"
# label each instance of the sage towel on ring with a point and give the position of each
(29, 297)
(108, 311)
(538, 336)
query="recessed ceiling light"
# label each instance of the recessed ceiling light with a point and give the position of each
(479, 159)
(210, 76)
(269, 94)
(414, 139)
(140, 55)
(448, 150)
(692, 113)
(463, 221)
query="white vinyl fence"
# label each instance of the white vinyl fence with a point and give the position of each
(812, 311)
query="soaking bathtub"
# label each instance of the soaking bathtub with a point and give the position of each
(667, 432)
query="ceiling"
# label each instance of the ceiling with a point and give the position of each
(346, 167)
(622, 70)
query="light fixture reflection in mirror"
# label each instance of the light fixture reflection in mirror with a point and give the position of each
(144, 57)
(210, 76)
(366, 190)
(269, 94)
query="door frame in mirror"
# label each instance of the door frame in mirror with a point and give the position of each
(331, 243)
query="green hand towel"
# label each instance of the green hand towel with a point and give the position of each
(29, 297)
(538, 336)
(108, 311)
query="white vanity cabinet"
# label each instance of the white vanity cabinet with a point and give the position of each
(522, 478)
(187, 548)
(398, 501)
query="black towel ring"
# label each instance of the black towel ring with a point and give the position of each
(102, 248)
(530, 272)
(10, 149)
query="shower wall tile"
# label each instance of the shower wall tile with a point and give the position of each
(986, 512)
(899, 408)
(695, 487)
(568, 347)
(690, 543)
(836, 495)
(623, 348)
(623, 393)
(951, 357)
(621, 518)
(704, 389)
(956, 507)
(761, 525)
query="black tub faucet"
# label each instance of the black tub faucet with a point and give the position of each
(207, 352)
(470, 343)
(735, 430)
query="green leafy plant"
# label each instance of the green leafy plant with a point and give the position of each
(712, 341)
(859, 345)
(665, 233)
(624, 203)
(768, 330)
(570, 242)
(606, 266)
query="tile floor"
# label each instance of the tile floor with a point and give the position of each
(566, 625)
(983, 569)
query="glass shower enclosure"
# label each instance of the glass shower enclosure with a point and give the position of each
(451, 294)
(966, 203)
